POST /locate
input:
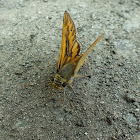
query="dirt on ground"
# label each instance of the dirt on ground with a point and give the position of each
(105, 107)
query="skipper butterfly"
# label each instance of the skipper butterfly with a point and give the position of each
(70, 59)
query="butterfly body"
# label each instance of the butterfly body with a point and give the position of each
(70, 59)
(64, 76)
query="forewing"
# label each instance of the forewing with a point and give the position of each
(70, 48)
(83, 57)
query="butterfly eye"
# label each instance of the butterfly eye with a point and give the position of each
(64, 84)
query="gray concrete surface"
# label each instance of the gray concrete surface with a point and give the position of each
(107, 106)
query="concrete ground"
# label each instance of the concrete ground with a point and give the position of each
(107, 105)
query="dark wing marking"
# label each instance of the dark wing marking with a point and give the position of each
(70, 48)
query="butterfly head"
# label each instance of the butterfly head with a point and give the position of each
(59, 82)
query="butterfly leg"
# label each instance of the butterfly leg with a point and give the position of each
(72, 88)
(83, 76)
(71, 107)
(63, 100)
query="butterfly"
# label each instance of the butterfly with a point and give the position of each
(70, 59)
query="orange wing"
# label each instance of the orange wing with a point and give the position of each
(70, 48)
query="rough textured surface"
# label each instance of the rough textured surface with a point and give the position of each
(107, 106)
